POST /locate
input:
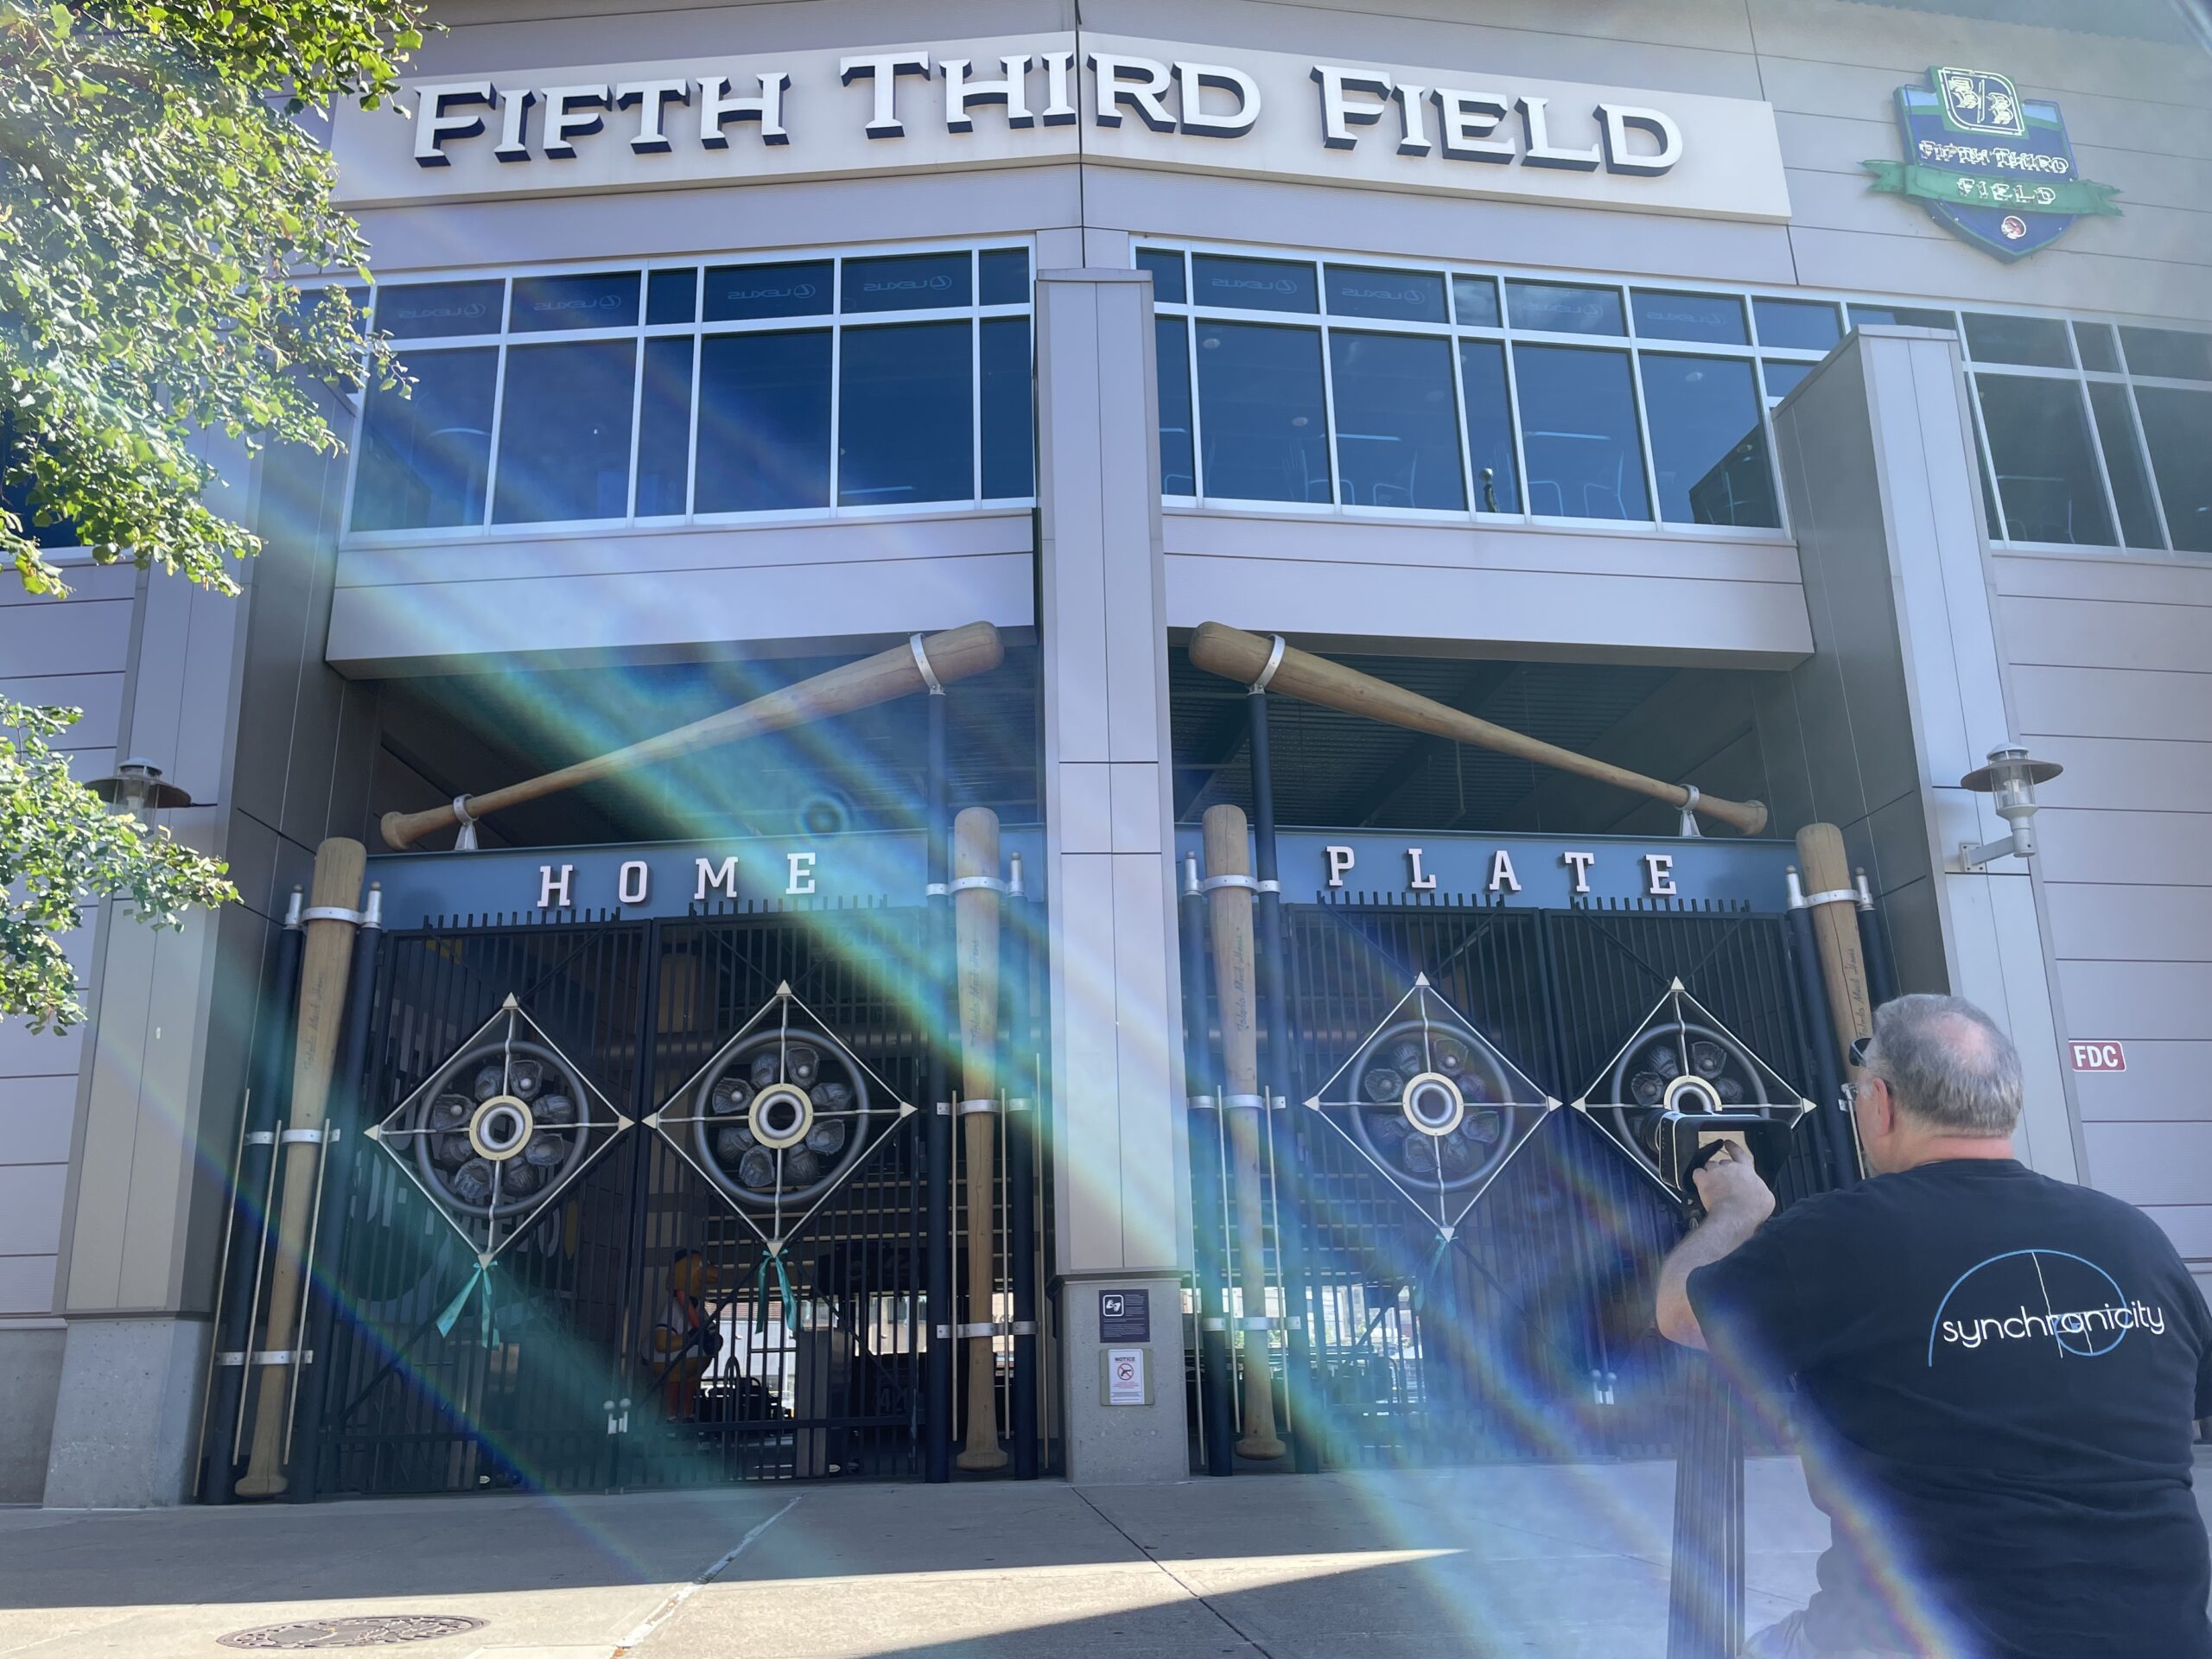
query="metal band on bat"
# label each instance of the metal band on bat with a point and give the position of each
(1274, 662)
(1245, 882)
(1832, 896)
(1256, 1103)
(970, 1108)
(922, 662)
(978, 884)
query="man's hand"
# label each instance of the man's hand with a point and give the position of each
(1729, 1184)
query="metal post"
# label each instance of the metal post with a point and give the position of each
(1217, 1360)
(348, 1116)
(248, 1222)
(1828, 1072)
(1705, 1591)
(937, 1003)
(1874, 948)
(1025, 1085)
(1280, 1079)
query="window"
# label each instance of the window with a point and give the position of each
(2171, 353)
(1397, 441)
(2131, 485)
(1798, 324)
(2178, 427)
(2038, 342)
(1178, 468)
(1708, 440)
(1555, 307)
(1578, 430)
(812, 385)
(1260, 404)
(1715, 317)
(2039, 449)
(1489, 426)
(1400, 295)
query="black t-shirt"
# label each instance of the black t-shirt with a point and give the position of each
(1998, 1375)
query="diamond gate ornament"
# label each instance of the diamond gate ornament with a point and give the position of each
(1432, 1105)
(1683, 1059)
(493, 1136)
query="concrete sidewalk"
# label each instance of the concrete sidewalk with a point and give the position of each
(1565, 1560)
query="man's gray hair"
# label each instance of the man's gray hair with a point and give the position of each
(1948, 1064)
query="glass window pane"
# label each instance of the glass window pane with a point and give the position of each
(2037, 341)
(740, 293)
(764, 422)
(1405, 295)
(1005, 353)
(1558, 308)
(1260, 404)
(1578, 425)
(53, 532)
(424, 458)
(665, 427)
(1905, 316)
(2174, 353)
(1489, 426)
(1397, 433)
(2039, 448)
(1172, 348)
(907, 282)
(1002, 277)
(2131, 487)
(598, 299)
(1253, 284)
(673, 295)
(1781, 379)
(564, 432)
(1716, 317)
(904, 394)
(1708, 443)
(2100, 348)
(426, 310)
(1165, 265)
(1800, 325)
(1474, 300)
(2178, 425)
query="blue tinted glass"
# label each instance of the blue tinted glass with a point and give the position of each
(1708, 443)
(1798, 324)
(1905, 316)
(1397, 432)
(425, 310)
(599, 299)
(1165, 265)
(665, 427)
(1716, 317)
(2178, 426)
(1406, 295)
(910, 282)
(904, 426)
(1172, 347)
(1004, 350)
(44, 530)
(1253, 284)
(740, 293)
(1489, 426)
(1578, 427)
(1474, 300)
(564, 432)
(2131, 487)
(2167, 353)
(1002, 277)
(673, 295)
(2099, 350)
(1260, 401)
(1781, 379)
(1558, 308)
(2039, 449)
(424, 458)
(2038, 342)
(764, 422)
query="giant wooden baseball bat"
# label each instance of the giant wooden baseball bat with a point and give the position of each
(1236, 654)
(976, 949)
(325, 964)
(1228, 853)
(901, 671)
(1827, 869)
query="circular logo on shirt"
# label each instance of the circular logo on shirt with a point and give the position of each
(2048, 1297)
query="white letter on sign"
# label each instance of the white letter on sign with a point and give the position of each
(632, 882)
(802, 872)
(1580, 863)
(1659, 875)
(1417, 881)
(553, 890)
(1340, 861)
(716, 110)
(721, 879)
(1501, 873)
(1338, 114)
(883, 119)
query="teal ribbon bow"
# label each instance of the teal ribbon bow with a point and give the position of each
(487, 1334)
(775, 1259)
(1427, 1273)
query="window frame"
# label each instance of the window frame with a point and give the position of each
(833, 318)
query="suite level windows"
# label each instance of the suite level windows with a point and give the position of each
(699, 393)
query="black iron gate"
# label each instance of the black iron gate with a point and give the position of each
(673, 1314)
(1522, 1332)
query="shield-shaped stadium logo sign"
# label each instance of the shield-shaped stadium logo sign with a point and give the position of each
(1995, 167)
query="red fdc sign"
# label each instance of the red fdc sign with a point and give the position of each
(2098, 1057)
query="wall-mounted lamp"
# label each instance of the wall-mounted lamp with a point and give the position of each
(2009, 778)
(138, 788)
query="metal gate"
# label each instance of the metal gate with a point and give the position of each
(1524, 1331)
(674, 1313)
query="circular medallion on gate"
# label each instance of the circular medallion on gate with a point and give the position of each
(1432, 1104)
(780, 1117)
(1683, 1064)
(1693, 1094)
(500, 1128)
(499, 1124)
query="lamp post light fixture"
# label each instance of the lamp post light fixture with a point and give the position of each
(2009, 778)
(138, 788)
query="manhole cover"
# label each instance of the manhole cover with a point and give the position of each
(372, 1630)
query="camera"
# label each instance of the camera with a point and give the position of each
(1682, 1141)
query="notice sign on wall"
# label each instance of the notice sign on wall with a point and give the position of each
(1125, 1377)
(2105, 1056)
